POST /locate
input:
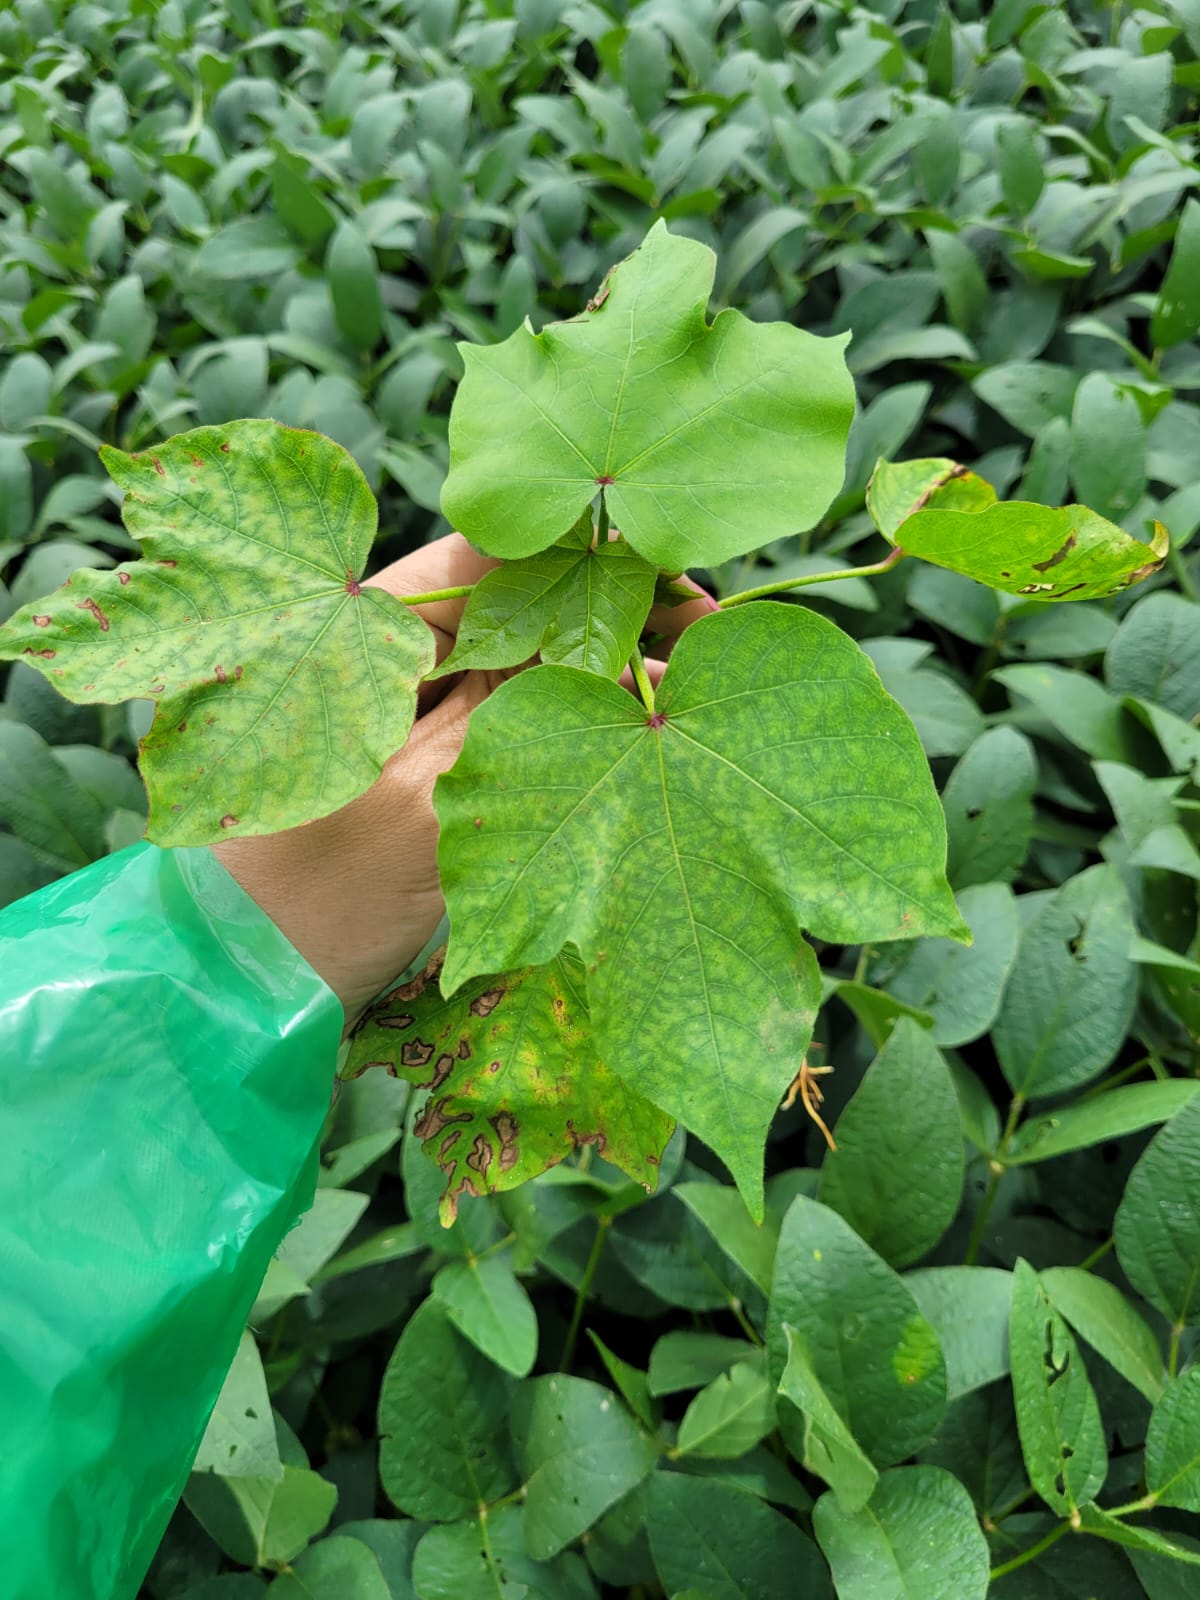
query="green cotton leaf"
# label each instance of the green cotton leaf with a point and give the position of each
(968, 1310)
(1062, 1436)
(1173, 1444)
(336, 1569)
(829, 1449)
(682, 853)
(725, 1543)
(959, 986)
(1071, 994)
(871, 1350)
(239, 1441)
(282, 685)
(501, 1107)
(729, 1416)
(988, 800)
(1176, 315)
(905, 1104)
(579, 606)
(918, 1537)
(1157, 1229)
(708, 440)
(443, 1422)
(1111, 1115)
(488, 1306)
(940, 512)
(579, 1451)
(1102, 1316)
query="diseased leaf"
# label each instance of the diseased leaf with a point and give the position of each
(905, 1104)
(1062, 1436)
(579, 1451)
(1157, 1229)
(871, 1350)
(703, 837)
(282, 685)
(948, 516)
(918, 1536)
(499, 1109)
(578, 605)
(829, 1449)
(707, 440)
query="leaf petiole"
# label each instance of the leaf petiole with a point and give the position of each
(785, 584)
(435, 594)
(642, 679)
(1034, 1551)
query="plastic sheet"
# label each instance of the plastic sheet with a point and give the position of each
(166, 1060)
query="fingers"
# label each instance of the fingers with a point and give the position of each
(670, 621)
(446, 563)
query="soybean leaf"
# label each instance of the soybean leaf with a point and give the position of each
(336, 1569)
(871, 1350)
(488, 1306)
(876, 1010)
(1157, 1229)
(239, 1441)
(750, 1245)
(685, 425)
(498, 1110)
(61, 823)
(829, 1449)
(579, 1453)
(486, 1556)
(905, 1104)
(1135, 1536)
(282, 685)
(699, 839)
(687, 1359)
(1102, 1315)
(578, 605)
(1069, 553)
(967, 1307)
(1166, 1577)
(392, 1544)
(727, 1544)
(443, 1411)
(1173, 1444)
(959, 986)
(1062, 1436)
(977, 1440)
(1176, 315)
(1078, 706)
(251, 247)
(729, 1416)
(919, 1536)
(1108, 1116)
(353, 276)
(988, 800)
(1108, 452)
(1072, 991)
(1156, 653)
(262, 1521)
(632, 1383)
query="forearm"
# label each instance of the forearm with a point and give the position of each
(165, 1063)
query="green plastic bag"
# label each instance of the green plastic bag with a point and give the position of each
(166, 1061)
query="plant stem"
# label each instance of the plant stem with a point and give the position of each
(602, 522)
(1146, 1503)
(589, 1272)
(743, 1321)
(1097, 1254)
(1034, 1551)
(642, 679)
(1173, 1355)
(785, 584)
(997, 1172)
(435, 594)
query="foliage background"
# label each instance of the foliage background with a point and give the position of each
(219, 210)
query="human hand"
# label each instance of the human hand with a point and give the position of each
(357, 892)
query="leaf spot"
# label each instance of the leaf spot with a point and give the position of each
(158, 467)
(1061, 554)
(90, 605)
(483, 1005)
(229, 820)
(41, 622)
(122, 578)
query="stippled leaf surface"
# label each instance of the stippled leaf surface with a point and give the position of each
(1062, 1436)
(1158, 1221)
(870, 1349)
(514, 1082)
(708, 439)
(936, 510)
(575, 603)
(683, 852)
(918, 1540)
(282, 686)
(905, 1103)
